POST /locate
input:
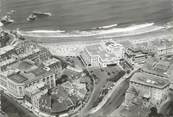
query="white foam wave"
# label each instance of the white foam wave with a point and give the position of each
(48, 31)
(130, 30)
(136, 32)
(107, 27)
(127, 29)
(169, 25)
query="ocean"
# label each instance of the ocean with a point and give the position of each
(77, 15)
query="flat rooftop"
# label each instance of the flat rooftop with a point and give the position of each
(24, 65)
(33, 74)
(150, 80)
(37, 73)
(18, 78)
(98, 50)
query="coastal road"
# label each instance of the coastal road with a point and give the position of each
(96, 92)
(102, 76)
(114, 101)
(116, 96)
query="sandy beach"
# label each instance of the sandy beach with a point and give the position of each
(72, 46)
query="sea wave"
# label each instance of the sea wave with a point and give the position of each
(107, 31)
(106, 27)
(47, 31)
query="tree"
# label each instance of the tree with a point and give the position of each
(63, 79)
(86, 72)
(154, 113)
(64, 64)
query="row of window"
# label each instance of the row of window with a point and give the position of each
(11, 85)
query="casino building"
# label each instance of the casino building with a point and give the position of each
(102, 54)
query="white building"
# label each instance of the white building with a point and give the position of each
(18, 83)
(102, 54)
(163, 47)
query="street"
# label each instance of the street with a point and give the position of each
(115, 100)
(116, 96)
(96, 92)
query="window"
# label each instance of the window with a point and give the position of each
(20, 91)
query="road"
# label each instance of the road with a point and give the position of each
(102, 76)
(96, 92)
(115, 97)
(115, 100)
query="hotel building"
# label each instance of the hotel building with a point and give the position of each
(150, 86)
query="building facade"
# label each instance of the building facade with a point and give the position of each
(149, 86)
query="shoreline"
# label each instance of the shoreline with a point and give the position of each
(166, 33)
(136, 32)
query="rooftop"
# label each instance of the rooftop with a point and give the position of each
(17, 77)
(106, 50)
(98, 50)
(51, 61)
(24, 65)
(156, 66)
(150, 80)
(32, 74)
(162, 66)
(5, 49)
(37, 73)
(70, 73)
(30, 53)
